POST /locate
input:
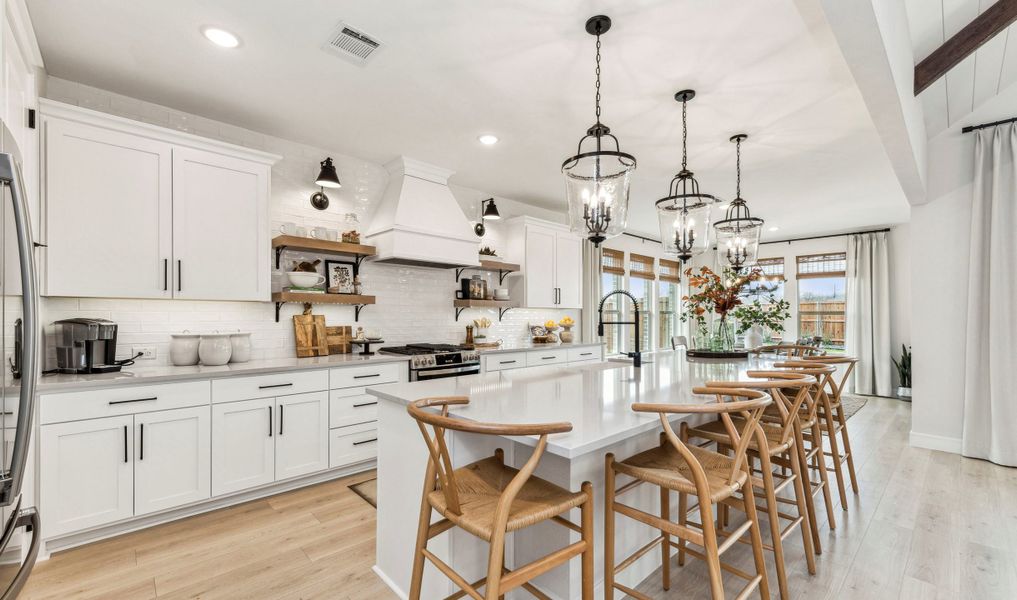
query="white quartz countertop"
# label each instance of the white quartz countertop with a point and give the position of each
(524, 346)
(139, 375)
(595, 398)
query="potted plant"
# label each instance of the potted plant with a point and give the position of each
(904, 373)
(756, 317)
(718, 294)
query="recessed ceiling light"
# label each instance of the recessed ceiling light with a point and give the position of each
(487, 139)
(221, 37)
(774, 228)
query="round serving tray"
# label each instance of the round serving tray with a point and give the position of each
(716, 354)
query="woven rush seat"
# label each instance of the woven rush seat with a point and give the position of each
(480, 486)
(663, 466)
(715, 431)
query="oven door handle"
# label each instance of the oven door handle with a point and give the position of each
(432, 373)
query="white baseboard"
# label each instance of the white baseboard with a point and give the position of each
(387, 581)
(935, 442)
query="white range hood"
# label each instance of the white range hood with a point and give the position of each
(419, 223)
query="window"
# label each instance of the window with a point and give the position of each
(771, 285)
(612, 277)
(668, 297)
(822, 302)
(641, 277)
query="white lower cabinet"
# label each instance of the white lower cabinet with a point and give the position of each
(87, 473)
(301, 446)
(243, 445)
(356, 443)
(171, 466)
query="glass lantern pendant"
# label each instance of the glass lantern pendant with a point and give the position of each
(738, 232)
(597, 180)
(684, 214)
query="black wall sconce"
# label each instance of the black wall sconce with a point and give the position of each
(327, 178)
(488, 211)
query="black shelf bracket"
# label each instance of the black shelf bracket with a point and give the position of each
(459, 311)
(459, 272)
(356, 312)
(357, 260)
(278, 307)
(501, 311)
(278, 257)
(502, 273)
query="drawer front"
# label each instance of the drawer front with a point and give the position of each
(351, 406)
(268, 386)
(92, 404)
(348, 445)
(347, 377)
(581, 354)
(546, 357)
(508, 360)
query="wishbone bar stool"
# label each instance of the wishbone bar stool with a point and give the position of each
(831, 414)
(689, 470)
(772, 444)
(489, 499)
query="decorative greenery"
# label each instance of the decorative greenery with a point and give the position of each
(487, 251)
(769, 316)
(718, 294)
(903, 366)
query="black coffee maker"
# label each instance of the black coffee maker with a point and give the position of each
(86, 346)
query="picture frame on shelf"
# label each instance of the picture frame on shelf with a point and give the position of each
(339, 277)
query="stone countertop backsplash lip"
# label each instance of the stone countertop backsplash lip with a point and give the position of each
(524, 346)
(57, 383)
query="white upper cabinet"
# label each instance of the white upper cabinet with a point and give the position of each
(138, 211)
(220, 227)
(552, 263)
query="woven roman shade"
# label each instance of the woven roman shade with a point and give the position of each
(613, 262)
(641, 266)
(670, 270)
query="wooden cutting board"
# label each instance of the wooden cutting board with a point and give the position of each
(309, 332)
(339, 339)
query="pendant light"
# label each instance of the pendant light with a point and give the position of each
(327, 178)
(684, 214)
(738, 232)
(597, 181)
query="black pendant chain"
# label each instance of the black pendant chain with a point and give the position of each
(597, 102)
(685, 135)
(738, 168)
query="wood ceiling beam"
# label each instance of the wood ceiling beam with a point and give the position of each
(996, 18)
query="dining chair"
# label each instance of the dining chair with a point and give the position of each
(831, 415)
(679, 340)
(489, 500)
(713, 478)
(772, 444)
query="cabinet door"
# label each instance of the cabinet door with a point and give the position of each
(108, 213)
(301, 446)
(173, 461)
(87, 473)
(243, 445)
(220, 227)
(568, 270)
(539, 267)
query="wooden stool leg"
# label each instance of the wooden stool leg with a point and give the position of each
(847, 448)
(609, 487)
(803, 498)
(711, 550)
(586, 521)
(824, 475)
(683, 517)
(831, 429)
(423, 524)
(773, 516)
(757, 540)
(665, 542)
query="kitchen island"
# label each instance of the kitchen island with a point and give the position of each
(595, 398)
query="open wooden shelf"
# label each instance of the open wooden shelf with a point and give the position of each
(359, 301)
(293, 242)
(503, 306)
(493, 266)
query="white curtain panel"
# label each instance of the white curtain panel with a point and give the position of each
(592, 258)
(990, 358)
(868, 313)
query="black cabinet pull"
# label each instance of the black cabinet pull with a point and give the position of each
(281, 419)
(367, 376)
(507, 362)
(365, 441)
(125, 443)
(165, 274)
(141, 451)
(585, 354)
(547, 358)
(362, 404)
(115, 402)
(180, 276)
(269, 421)
(275, 385)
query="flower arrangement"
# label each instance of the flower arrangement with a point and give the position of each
(718, 294)
(769, 316)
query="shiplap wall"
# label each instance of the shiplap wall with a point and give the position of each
(414, 305)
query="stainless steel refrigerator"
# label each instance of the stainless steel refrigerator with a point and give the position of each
(19, 341)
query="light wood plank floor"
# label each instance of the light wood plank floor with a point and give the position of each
(927, 525)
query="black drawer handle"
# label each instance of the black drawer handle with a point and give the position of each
(585, 354)
(152, 399)
(8, 412)
(365, 441)
(548, 357)
(507, 362)
(362, 404)
(275, 385)
(367, 376)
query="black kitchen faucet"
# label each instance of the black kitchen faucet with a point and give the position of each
(637, 360)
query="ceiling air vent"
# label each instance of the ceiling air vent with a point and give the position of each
(355, 46)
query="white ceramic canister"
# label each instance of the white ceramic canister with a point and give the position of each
(215, 349)
(241, 344)
(184, 348)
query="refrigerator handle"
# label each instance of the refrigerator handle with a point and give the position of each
(29, 519)
(10, 175)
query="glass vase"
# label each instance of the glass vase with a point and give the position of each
(723, 339)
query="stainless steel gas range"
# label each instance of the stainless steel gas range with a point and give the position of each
(436, 361)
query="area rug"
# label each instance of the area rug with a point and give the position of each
(368, 490)
(851, 404)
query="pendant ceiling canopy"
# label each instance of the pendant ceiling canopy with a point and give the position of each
(598, 177)
(738, 232)
(684, 214)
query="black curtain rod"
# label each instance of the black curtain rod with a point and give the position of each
(971, 128)
(823, 237)
(640, 237)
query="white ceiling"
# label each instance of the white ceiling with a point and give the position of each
(522, 70)
(978, 78)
